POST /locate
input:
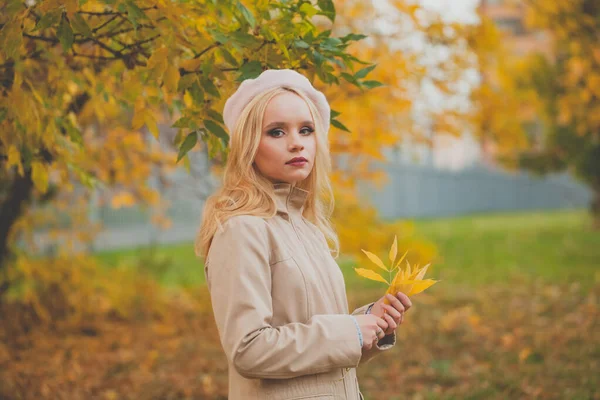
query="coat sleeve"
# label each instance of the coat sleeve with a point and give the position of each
(383, 344)
(238, 276)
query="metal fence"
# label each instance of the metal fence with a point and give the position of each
(411, 192)
(415, 191)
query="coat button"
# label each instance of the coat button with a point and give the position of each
(347, 369)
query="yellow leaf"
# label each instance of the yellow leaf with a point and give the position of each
(71, 7)
(419, 286)
(191, 65)
(139, 111)
(401, 259)
(422, 272)
(34, 92)
(150, 121)
(157, 63)
(375, 260)
(367, 273)
(14, 158)
(187, 99)
(138, 119)
(39, 175)
(123, 199)
(171, 78)
(524, 354)
(394, 250)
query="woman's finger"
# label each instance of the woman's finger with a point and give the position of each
(376, 338)
(404, 300)
(391, 324)
(382, 323)
(392, 311)
(395, 302)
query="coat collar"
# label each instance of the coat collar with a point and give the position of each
(289, 199)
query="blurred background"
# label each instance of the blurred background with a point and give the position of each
(469, 129)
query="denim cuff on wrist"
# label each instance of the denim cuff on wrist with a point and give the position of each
(360, 338)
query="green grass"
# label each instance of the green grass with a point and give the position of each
(557, 246)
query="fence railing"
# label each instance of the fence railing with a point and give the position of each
(411, 192)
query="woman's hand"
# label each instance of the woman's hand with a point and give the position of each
(393, 313)
(370, 325)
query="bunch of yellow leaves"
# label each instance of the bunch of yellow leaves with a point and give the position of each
(408, 281)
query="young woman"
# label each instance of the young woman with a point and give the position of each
(278, 296)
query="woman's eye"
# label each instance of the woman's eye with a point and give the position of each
(274, 131)
(306, 131)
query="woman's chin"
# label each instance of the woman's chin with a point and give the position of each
(296, 176)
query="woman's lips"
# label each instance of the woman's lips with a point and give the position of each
(297, 163)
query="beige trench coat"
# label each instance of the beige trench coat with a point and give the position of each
(280, 306)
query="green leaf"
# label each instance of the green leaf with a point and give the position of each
(65, 34)
(353, 37)
(210, 87)
(49, 19)
(182, 122)
(134, 13)
(363, 72)
(250, 70)
(186, 81)
(11, 7)
(244, 39)
(208, 65)
(300, 44)
(81, 25)
(319, 58)
(324, 34)
(308, 9)
(74, 133)
(215, 115)
(197, 93)
(334, 114)
(349, 78)
(228, 57)
(309, 37)
(327, 8)
(11, 38)
(188, 143)
(339, 125)
(219, 36)
(331, 44)
(217, 130)
(371, 84)
(247, 14)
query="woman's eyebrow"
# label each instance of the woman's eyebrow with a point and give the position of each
(278, 124)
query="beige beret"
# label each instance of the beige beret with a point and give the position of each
(269, 79)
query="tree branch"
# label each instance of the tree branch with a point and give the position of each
(96, 29)
(95, 57)
(104, 13)
(212, 46)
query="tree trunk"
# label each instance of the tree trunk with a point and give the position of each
(19, 194)
(595, 208)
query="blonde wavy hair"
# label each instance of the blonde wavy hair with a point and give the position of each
(246, 191)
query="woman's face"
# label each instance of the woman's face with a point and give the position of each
(288, 132)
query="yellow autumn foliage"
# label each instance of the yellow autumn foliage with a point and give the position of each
(407, 280)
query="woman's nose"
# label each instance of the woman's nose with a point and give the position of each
(296, 141)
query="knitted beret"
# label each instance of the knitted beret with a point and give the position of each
(268, 79)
